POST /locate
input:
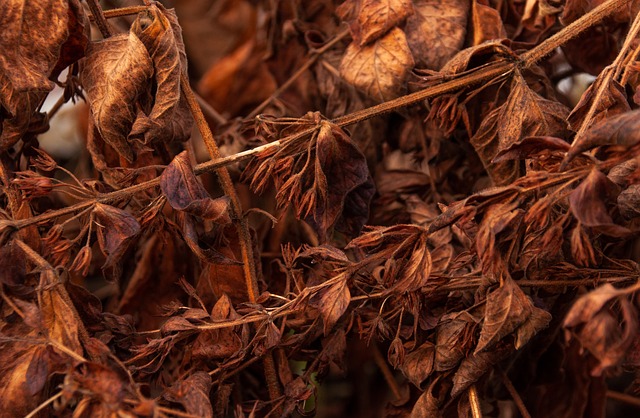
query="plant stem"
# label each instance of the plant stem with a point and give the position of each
(240, 221)
(99, 17)
(476, 411)
(514, 394)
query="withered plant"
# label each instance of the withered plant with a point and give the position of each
(395, 209)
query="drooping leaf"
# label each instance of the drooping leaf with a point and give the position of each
(115, 72)
(184, 192)
(418, 364)
(193, 394)
(30, 41)
(167, 117)
(507, 308)
(333, 302)
(115, 229)
(381, 68)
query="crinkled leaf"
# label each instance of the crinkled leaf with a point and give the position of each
(333, 301)
(193, 394)
(185, 192)
(115, 229)
(376, 17)
(418, 364)
(30, 40)
(436, 31)
(116, 71)
(475, 365)
(588, 205)
(167, 118)
(507, 308)
(379, 69)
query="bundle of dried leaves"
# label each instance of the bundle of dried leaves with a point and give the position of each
(409, 216)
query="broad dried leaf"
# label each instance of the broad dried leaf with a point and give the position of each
(218, 343)
(538, 321)
(333, 301)
(116, 72)
(589, 304)
(30, 40)
(116, 228)
(436, 31)
(612, 102)
(418, 364)
(427, 405)
(475, 365)
(507, 308)
(629, 202)
(167, 118)
(193, 394)
(377, 17)
(184, 192)
(588, 205)
(525, 113)
(380, 69)
(486, 23)
(451, 339)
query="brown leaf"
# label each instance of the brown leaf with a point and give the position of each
(436, 31)
(451, 338)
(486, 21)
(612, 102)
(58, 318)
(418, 364)
(525, 113)
(32, 34)
(185, 192)
(74, 47)
(116, 228)
(507, 308)
(115, 73)
(167, 117)
(333, 301)
(538, 321)
(380, 69)
(376, 17)
(427, 405)
(474, 366)
(629, 202)
(588, 205)
(218, 343)
(193, 394)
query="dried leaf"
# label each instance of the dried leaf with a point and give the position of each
(418, 364)
(588, 204)
(185, 192)
(380, 69)
(192, 393)
(116, 229)
(32, 34)
(167, 117)
(333, 301)
(116, 71)
(507, 308)
(436, 31)
(376, 17)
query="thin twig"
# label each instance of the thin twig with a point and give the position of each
(43, 405)
(623, 397)
(120, 12)
(386, 372)
(514, 394)
(101, 20)
(474, 401)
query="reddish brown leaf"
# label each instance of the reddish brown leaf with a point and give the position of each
(418, 364)
(380, 69)
(436, 31)
(115, 73)
(193, 394)
(166, 118)
(32, 34)
(185, 192)
(333, 301)
(376, 17)
(589, 207)
(116, 228)
(507, 308)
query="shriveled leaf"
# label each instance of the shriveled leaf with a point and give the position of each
(507, 308)
(450, 349)
(116, 71)
(588, 204)
(629, 202)
(333, 302)
(58, 316)
(538, 321)
(185, 192)
(193, 394)
(427, 405)
(486, 22)
(591, 303)
(474, 366)
(380, 69)
(530, 146)
(418, 364)
(525, 113)
(116, 228)
(218, 343)
(436, 31)
(166, 118)
(30, 40)
(377, 17)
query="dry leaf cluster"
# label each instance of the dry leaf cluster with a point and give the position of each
(361, 208)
